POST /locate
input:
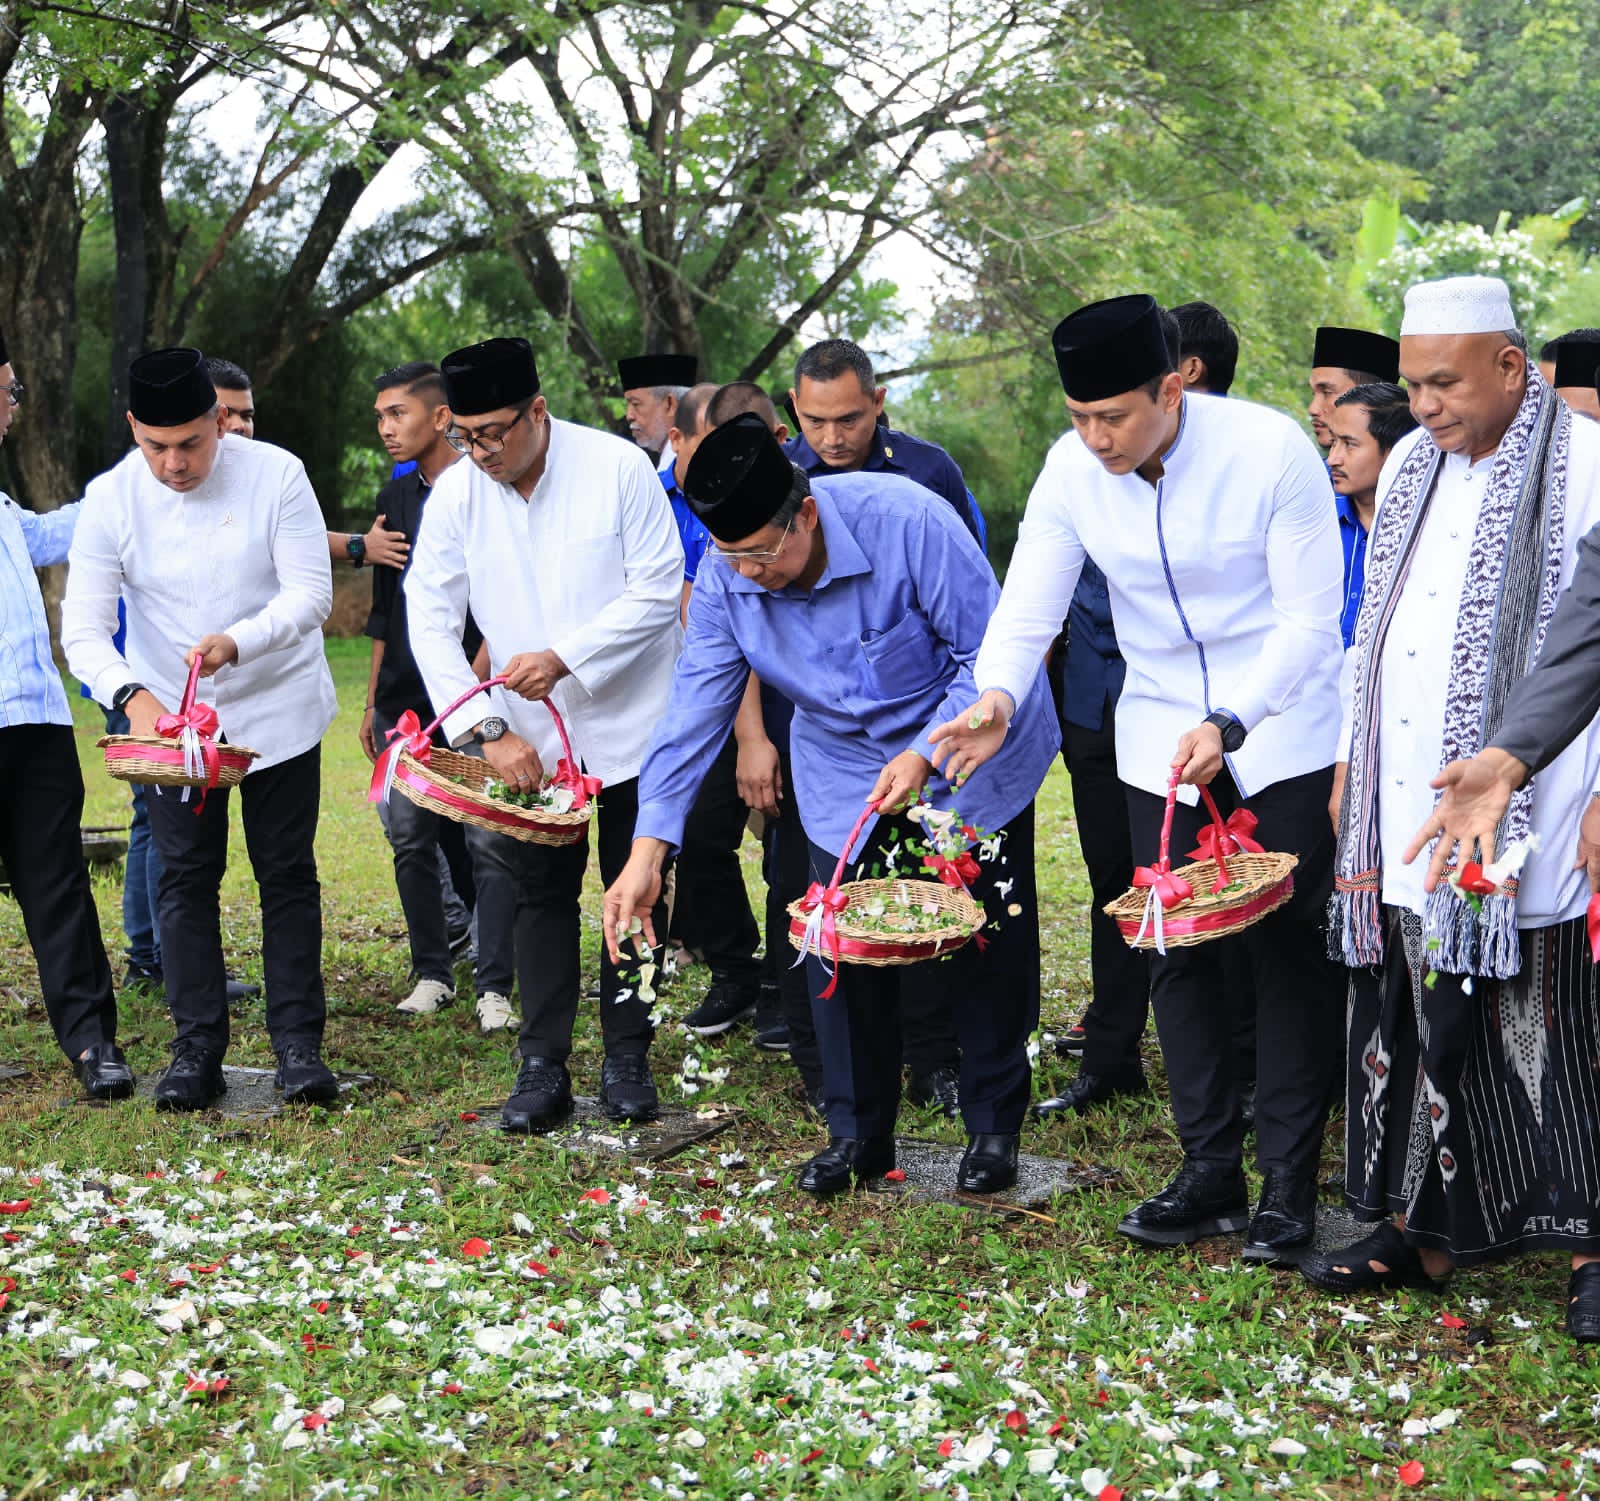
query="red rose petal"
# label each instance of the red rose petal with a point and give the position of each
(705, 1182)
(814, 1454)
(538, 1268)
(314, 1421)
(917, 1324)
(4, 1299)
(1109, 1493)
(871, 1365)
(194, 1384)
(221, 1384)
(469, 1115)
(895, 1175)
(321, 1307)
(1411, 1472)
(1059, 1426)
(219, 1175)
(129, 1276)
(1450, 1321)
(17, 1206)
(204, 1270)
(715, 1215)
(10, 1237)
(1017, 1421)
(8, 1284)
(475, 1247)
(451, 1388)
(595, 1196)
(947, 1448)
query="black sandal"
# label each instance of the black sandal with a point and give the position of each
(1583, 1303)
(1351, 1270)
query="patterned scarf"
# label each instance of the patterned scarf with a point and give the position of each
(1513, 577)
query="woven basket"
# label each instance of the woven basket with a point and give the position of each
(426, 774)
(157, 760)
(1234, 884)
(845, 942)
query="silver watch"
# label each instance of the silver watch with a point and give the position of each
(492, 728)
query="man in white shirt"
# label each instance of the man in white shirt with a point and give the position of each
(41, 794)
(560, 541)
(1212, 521)
(1471, 1069)
(218, 546)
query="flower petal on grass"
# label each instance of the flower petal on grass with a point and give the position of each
(476, 1247)
(16, 1206)
(595, 1196)
(1411, 1472)
(895, 1175)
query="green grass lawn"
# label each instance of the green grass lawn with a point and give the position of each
(385, 1300)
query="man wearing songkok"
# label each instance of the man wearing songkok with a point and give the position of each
(864, 605)
(217, 545)
(1366, 423)
(1474, 1090)
(1577, 364)
(560, 541)
(41, 795)
(1211, 520)
(1208, 348)
(651, 386)
(838, 406)
(1342, 358)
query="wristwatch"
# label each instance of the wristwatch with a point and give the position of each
(356, 546)
(491, 728)
(119, 699)
(1232, 731)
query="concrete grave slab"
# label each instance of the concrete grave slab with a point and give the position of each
(251, 1093)
(930, 1169)
(588, 1130)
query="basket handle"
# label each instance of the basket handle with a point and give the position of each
(1221, 835)
(850, 839)
(190, 688)
(484, 687)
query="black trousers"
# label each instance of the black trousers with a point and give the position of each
(712, 912)
(41, 808)
(1299, 991)
(1115, 1020)
(787, 868)
(548, 881)
(280, 806)
(991, 987)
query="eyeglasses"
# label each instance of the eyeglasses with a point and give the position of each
(488, 441)
(754, 555)
(14, 391)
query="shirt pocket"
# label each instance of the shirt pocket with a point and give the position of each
(904, 661)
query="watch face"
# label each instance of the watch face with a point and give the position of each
(491, 729)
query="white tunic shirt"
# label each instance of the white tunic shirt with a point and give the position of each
(1415, 677)
(1225, 580)
(590, 567)
(244, 554)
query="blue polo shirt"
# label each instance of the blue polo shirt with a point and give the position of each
(899, 453)
(873, 656)
(1353, 538)
(691, 529)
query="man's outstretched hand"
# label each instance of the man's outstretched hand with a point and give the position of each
(1476, 794)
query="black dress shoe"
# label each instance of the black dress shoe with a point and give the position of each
(627, 1088)
(238, 990)
(939, 1088)
(1285, 1219)
(540, 1099)
(142, 979)
(303, 1078)
(193, 1080)
(1091, 1089)
(104, 1072)
(988, 1165)
(847, 1159)
(1583, 1303)
(1206, 1198)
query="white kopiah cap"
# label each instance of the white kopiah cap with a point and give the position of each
(1458, 305)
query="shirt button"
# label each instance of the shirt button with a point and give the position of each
(1455, 534)
(1411, 651)
(1399, 781)
(1404, 719)
(1432, 593)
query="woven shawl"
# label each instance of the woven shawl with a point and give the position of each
(1512, 580)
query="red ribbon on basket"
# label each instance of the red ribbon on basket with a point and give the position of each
(1165, 889)
(1593, 921)
(194, 727)
(1218, 840)
(822, 906)
(960, 872)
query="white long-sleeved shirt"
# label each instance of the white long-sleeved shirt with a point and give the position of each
(30, 686)
(589, 567)
(244, 554)
(1415, 671)
(1225, 579)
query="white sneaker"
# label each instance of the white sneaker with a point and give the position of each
(495, 1013)
(427, 997)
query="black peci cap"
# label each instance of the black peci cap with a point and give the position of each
(738, 479)
(488, 376)
(1107, 348)
(170, 387)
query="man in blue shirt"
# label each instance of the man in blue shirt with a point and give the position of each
(839, 406)
(865, 607)
(41, 795)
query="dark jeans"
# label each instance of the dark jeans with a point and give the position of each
(421, 840)
(1299, 991)
(548, 882)
(1115, 1020)
(711, 914)
(41, 808)
(141, 878)
(280, 806)
(991, 987)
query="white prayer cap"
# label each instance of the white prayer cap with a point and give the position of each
(1458, 305)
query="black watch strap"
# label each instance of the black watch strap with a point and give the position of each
(119, 699)
(1229, 727)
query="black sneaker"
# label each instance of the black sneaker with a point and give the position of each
(771, 1026)
(540, 1099)
(303, 1078)
(193, 1080)
(727, 1003)
(143, 979)
(939, 1088)
(627, 1089)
